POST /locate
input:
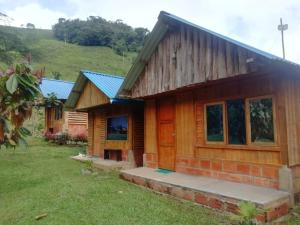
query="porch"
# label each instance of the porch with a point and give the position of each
(218, 194)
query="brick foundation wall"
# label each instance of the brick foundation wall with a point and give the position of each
(248, 173)
(210, 200)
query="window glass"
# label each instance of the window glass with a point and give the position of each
(117, 128)
(58, 112)
(236, 121)
(261, 120)
(214, 123)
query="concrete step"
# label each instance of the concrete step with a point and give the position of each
(214, 193)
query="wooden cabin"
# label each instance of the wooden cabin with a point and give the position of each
(115, 126)
(57, 120)
(216, 107)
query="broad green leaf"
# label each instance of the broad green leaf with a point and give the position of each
(12, 84)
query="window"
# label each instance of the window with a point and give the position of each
(117, 128)
(236, 121)
(214, 123)
(261, 120)
(247, 121)
(58, 112)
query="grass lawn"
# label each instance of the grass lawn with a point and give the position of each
(42, 179)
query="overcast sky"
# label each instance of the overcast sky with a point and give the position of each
(253, 22)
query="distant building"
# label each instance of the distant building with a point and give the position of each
(57, 120)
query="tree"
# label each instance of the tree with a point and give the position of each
(19, 87)
(30, 26)
(56, 75)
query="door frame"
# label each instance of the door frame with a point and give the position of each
(157, 102)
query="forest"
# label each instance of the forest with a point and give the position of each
(96, 31)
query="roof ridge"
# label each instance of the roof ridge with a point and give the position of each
(227, 38)
(103, 74)
(65, 81)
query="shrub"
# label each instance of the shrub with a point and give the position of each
(81, 137)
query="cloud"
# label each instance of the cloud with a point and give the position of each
(34, 13)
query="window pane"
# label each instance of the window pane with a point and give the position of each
(117, 128)
(261, 120)
(236, 121)
(214, 123)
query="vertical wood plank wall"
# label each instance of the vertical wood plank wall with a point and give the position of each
(91, 96)
(292, 106)
(187, 56)
(97, 130)
(191, 150)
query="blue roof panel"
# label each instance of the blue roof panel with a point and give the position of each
(60, 88)
(108, 84)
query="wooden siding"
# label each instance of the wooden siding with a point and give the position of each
(291, 92)
(97, 129)
(190, 138)
(150, 126)
(91, 96)
(51, 122)
(185, 57)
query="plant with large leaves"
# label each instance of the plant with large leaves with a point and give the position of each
(19, 87)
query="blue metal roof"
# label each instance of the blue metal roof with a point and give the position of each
(108, 84)
(60, 88)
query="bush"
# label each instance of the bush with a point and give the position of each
(65, 138)
(81, 137)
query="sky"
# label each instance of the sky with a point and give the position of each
(253, 22)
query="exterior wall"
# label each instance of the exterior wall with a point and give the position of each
(292, 100)
(51, 122)
(91, 96)
(186, 57)
(97, 141)
(74, 123)
(252, 164)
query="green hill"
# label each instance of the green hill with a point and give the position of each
(69, 59)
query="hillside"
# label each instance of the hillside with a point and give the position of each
(69, 59)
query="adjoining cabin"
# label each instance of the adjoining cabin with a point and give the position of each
(115, 126)
(57, 120)
(215, 107)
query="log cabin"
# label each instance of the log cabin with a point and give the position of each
(57, 120)
(115, 126)
(217, 108)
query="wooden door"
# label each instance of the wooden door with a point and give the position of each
(166, 133)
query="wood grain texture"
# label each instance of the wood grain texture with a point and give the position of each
(187, 56)
(91, 96)
(150, 124)
(190, 135)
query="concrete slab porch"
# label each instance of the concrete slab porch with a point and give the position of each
(104, 164)
(214, 193)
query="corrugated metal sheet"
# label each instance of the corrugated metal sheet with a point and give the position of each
(60, 88)
(160, 29)
(108, 84)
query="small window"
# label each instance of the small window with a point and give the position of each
(236, 121)
(58, 112)
(117, 128)
(214, 123)
(261, 120)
